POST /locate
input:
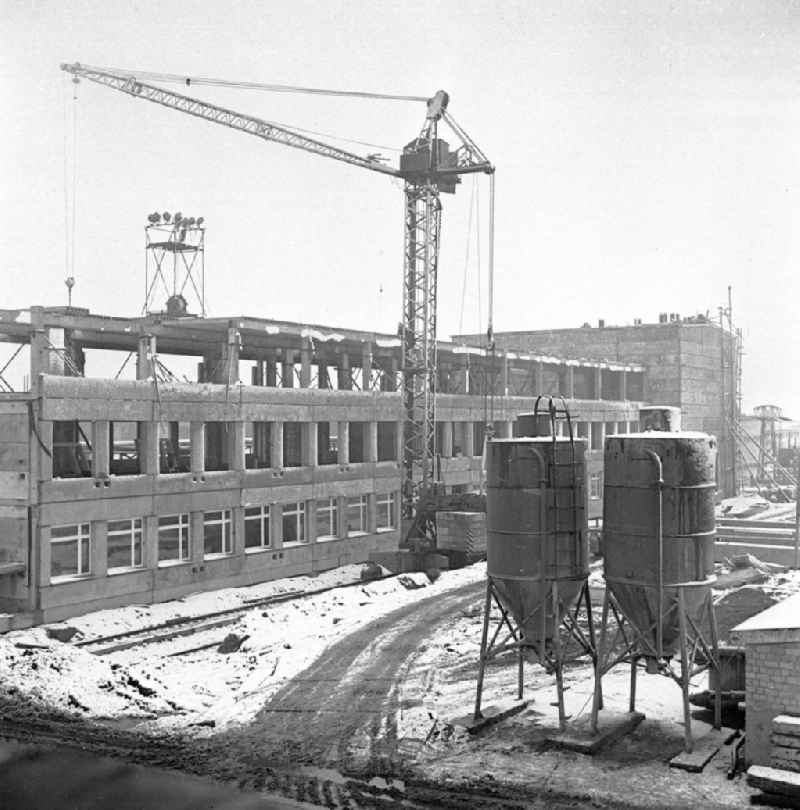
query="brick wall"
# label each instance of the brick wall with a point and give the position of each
(772, 688)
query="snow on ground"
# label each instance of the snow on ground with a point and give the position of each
(177, 688)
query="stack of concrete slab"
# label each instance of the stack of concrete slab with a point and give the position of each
(785, 743)
(463, 532)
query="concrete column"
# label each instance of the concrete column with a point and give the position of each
(236, 446)
(271, 373)
(45, 461)
(598, 383)
(45, 560)
(276, 445)
(504, 375)
(196, 541)
(366, 367)
(398, 433)
(469, 438)
(322, 373)
(345, 379)
(147, 445)
(287, 369)
(623, 384)
(539, 378)
(370, 442)
(343, 458)
(150, 541)
(237, 528)
(101, 450)
(507, 429)
(228, 369)
(145, 354)
(570, 392)
(98, 549)
(309, 443)
(446, 449)
(372, 516)
(341, 519)
(197, 432)
(305, 364)
(276, 526)
(257, 373)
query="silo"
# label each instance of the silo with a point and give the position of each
(536, 526)
(658, 542)
(537, 552)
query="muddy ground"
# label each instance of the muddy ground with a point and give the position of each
(371, 723)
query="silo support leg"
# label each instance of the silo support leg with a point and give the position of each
(712, 619)
(632, 705)
(520, 664)
(685, 673)
(597, 702)
(487, 607)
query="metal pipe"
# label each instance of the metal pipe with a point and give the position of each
(797, 514)
(660, 595)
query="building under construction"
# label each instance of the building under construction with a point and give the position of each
(138, 490)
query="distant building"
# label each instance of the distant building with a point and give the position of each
(688, 363)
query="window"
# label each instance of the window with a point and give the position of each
(257, 445)
(596, 435)
(174, 448)
(595, 486)
(634, 426)
(124, 544)
(72, 450)
(356, 515)
(357, 443)
(385, 512)
(292, 444)
(327, 443)
(217, 537)
(173, 538)
(123, 444)
(218, 439)
(70, 550)
(294, 523)
(387, 441)
(327, 519)
(256, 528)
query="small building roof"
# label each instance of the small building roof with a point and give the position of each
(777, 624)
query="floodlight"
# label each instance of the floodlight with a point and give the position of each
(200, 220)
(166, 216)
(191, 222)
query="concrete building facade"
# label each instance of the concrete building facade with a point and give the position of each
(689, 363)
(137, 490)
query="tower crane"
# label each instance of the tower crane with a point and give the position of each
(427, 167)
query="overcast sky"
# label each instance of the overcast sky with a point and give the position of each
(646, 153)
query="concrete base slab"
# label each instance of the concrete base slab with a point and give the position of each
(610, 727)
(489, 716)
(703, 750)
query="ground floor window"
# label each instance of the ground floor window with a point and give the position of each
(256, 527)
(327, 519)
(173, 538)
(124, 544)
(385, 512)
(70, 550)
(217, 535)
(356, 515)
(294, 523)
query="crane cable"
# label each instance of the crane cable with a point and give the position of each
(70, 188)
(188, 81)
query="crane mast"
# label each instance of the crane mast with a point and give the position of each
(428, 167)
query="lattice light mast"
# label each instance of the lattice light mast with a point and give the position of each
(428, 167)
(175, 263)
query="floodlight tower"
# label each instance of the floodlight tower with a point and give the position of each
(175, 256)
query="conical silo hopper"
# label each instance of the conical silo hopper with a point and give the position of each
(536, 528)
